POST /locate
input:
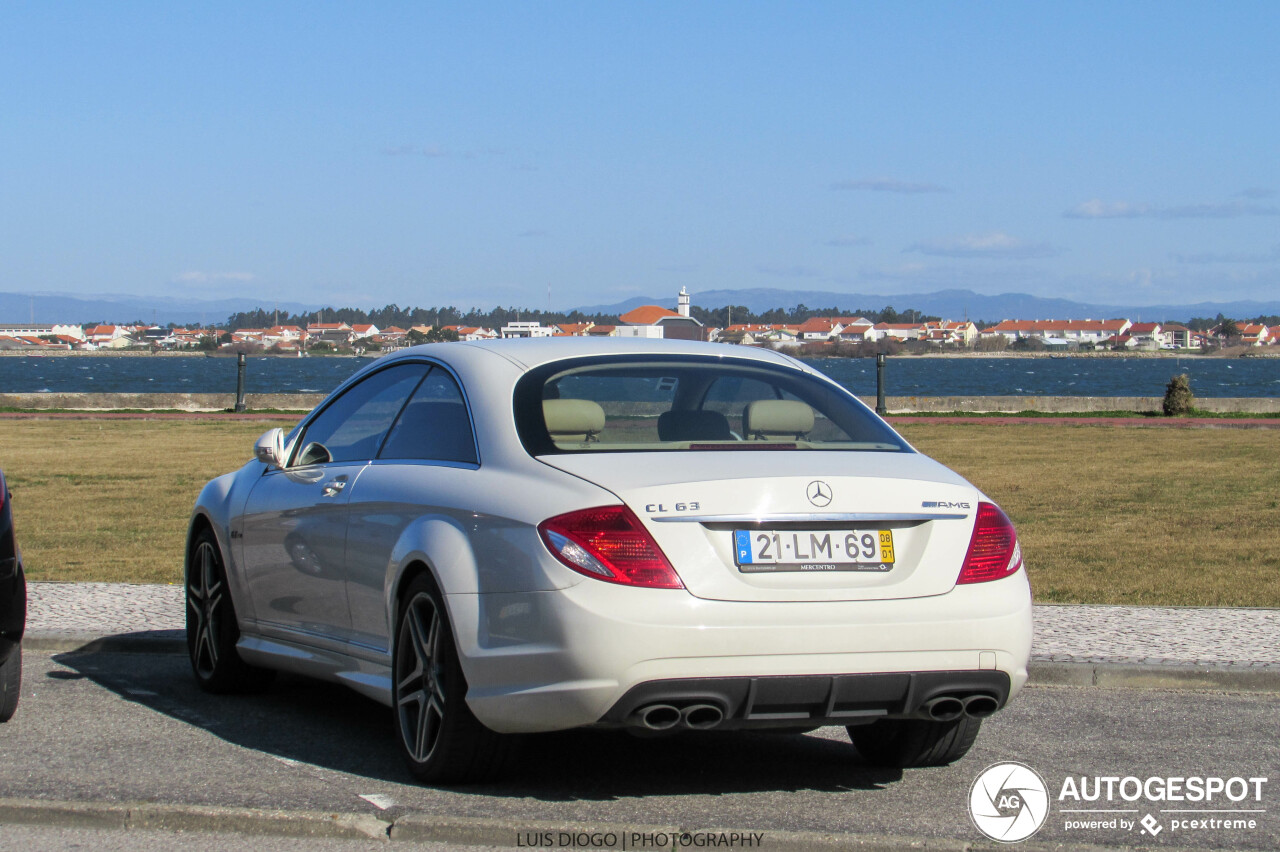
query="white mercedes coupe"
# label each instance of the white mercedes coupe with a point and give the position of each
(518, 536)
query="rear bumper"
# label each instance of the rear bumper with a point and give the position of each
(552, 660)
(808, 701)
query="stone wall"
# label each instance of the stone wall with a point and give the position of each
(160, 401)
(895, 404)
(1067, 404)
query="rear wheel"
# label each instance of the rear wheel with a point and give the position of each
(904, 743)
(441, 740)
(212, 630)
(10, 684)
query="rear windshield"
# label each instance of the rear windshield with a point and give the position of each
(690, 405)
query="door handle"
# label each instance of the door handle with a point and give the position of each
(333, 487)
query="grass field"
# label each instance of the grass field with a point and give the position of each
(1106, 515)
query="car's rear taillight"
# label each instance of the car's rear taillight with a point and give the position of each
(994, 551)
(609, 543)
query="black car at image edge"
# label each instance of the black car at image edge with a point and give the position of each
(13, 609)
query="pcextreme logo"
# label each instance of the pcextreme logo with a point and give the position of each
(1008, 802)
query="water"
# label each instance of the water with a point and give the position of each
(904, 376)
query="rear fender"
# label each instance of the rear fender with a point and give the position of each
(469, 579)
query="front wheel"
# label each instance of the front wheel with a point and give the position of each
(441, 740)
(10, 684)
(905, 743)
(212, 631)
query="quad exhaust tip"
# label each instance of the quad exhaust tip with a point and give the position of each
(658, 717)
(948, 708)
(945, 709)
(666, 717)
(980, 706)
(702, 717)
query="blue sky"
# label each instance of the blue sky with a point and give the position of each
(480, 153)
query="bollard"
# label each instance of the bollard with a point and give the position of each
(240, 382)
(880, 407)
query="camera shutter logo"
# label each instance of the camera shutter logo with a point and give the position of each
(1008, 802)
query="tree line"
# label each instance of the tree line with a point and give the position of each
(722, 317)
(435, 317)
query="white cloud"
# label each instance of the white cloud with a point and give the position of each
(995, 244)
(1098, 209)
(888, 185)
(195, 277)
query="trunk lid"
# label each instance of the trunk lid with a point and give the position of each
(698, 506)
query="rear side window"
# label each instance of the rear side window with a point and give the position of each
(351, 428)
(690, 405)
(434, 425)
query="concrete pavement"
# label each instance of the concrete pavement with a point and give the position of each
(1162, 647)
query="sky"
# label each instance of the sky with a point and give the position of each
(557, 154)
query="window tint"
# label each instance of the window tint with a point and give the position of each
(434, 425)
(633, 404)
(351, 428)
(730, 393)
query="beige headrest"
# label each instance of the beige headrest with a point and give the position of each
(571, 420)
(777, 418)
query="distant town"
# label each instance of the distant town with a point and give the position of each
(814, 335)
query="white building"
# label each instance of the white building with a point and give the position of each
(526, 329)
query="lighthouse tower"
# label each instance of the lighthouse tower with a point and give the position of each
(682, 303)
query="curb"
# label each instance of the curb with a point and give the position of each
(112, 815)
(471, 831)
(1131, 676)
(1103, 675)
(144, 642)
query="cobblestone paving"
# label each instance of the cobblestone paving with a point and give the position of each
(1174, 636)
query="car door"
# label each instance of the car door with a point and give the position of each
(295, 519)
(425, 469)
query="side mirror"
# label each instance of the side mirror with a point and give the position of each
(270, 448)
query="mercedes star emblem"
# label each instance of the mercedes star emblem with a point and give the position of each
(819, 493)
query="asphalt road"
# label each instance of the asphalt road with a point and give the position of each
(130, 728)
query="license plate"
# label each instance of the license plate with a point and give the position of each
(806, 550)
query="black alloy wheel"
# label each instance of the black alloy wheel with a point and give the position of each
(10, 684)
(440, 739)
(212, 631)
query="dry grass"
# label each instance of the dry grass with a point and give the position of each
(1106, 515)
(109, 500)
(1130, 516)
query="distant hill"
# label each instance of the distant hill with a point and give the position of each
(950, 304)
(51, 308)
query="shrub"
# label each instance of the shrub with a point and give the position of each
(1178, 398)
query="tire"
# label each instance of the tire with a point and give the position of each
(440, 739)
(905, 743)
(212, 629)
(10, 684)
